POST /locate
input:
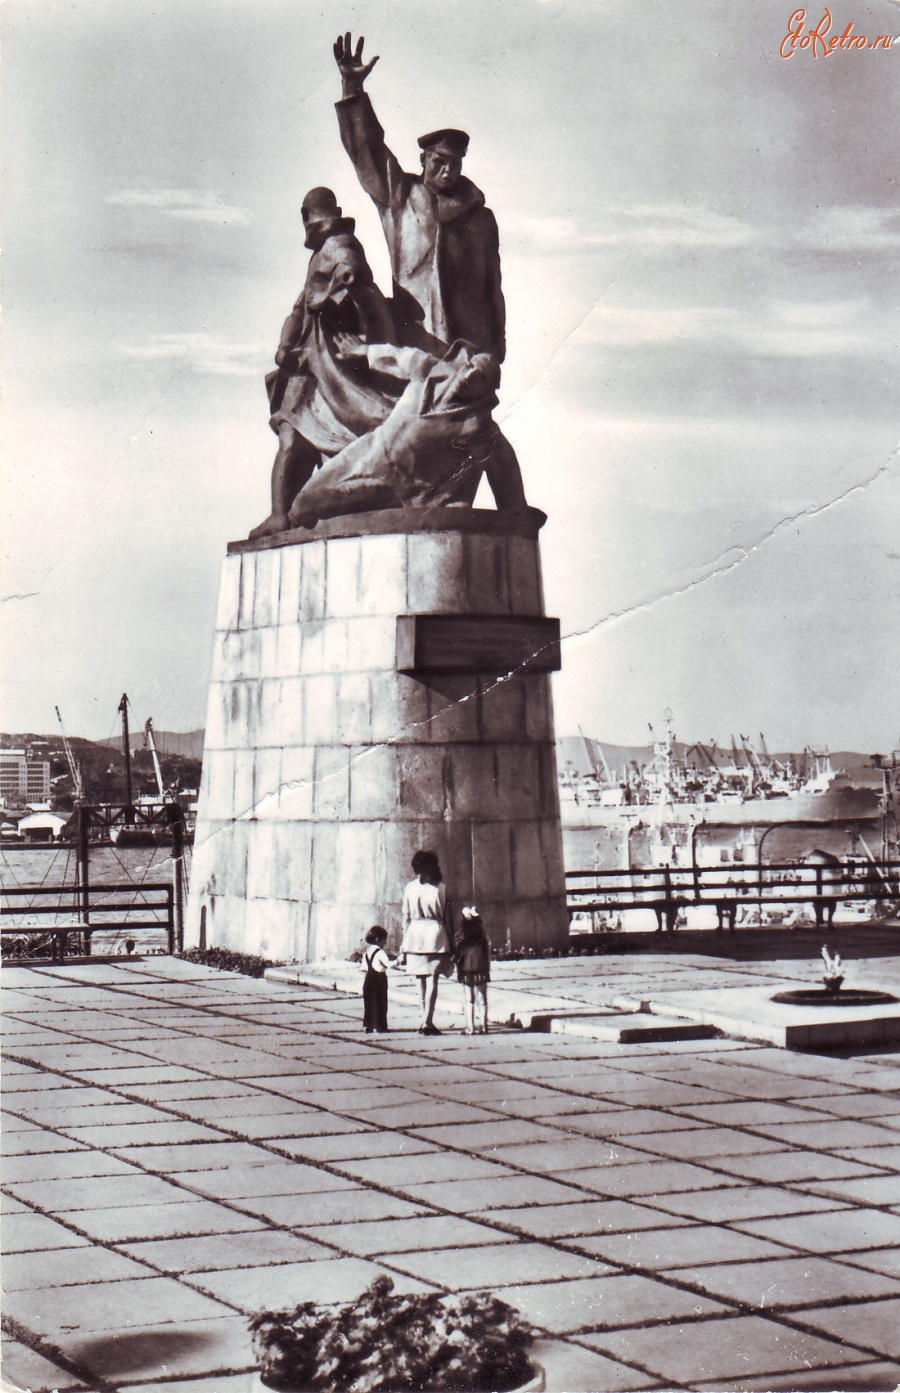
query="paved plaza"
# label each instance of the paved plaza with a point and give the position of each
(185, 1146)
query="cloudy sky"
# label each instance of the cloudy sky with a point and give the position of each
(700, 247)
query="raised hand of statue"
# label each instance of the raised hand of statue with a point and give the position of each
(348, 346)
(351, 66)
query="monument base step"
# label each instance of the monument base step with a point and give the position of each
(749, 1013)
(624, 1028)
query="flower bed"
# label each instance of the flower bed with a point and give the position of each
(383, 1343)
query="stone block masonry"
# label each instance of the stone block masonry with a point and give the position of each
(326, 766)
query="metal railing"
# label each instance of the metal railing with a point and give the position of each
(669, 889)
(80, 912)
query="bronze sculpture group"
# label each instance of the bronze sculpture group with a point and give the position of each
(387, 403)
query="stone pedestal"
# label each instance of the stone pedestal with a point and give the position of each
(378, 686)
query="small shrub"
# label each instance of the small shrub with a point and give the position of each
(227, 960)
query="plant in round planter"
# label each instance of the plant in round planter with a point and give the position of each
(834, 973)
(422, 1343)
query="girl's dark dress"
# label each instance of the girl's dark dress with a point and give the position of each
(473, 961)
(375, 992)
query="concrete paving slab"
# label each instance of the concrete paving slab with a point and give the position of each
(123, 1225)
(877, 1377)
(336, 1206)
(784, 1167)
(155, 1078)
(630, 1091)
(226, 1250)
(728, 1350)
(426, 1113)
(72, 1121)
(76, 1057)
(97, 1192)
(200, 1156)
(326, 1281)
(840, 1231)
(885, 1260)
(95, 1306)
(589, 1217)
(785, 1283)
(354, 1145)
(23, 1368)
(505, 1191)
(865, 1105)
(151, 1134)
(609, 1121)
(38, 1104)
(648, 1178)
(429, 1167)
(704, 1142)
(199, 1086)
(748, 1112)
(886, 1158)
(372, 1237)
(123, 1354)
(285, 1125)
(874, 1324)
(22, 1078)
(663, 1250)
(578, 1370)
(65, 1267)
(494, 1265)
(579, 1155)
(592, 1303)
(56, 1165)
(740, 1203)
(29, 1232)
(546, 1107)
(219, 1383)
(879, 1190)
(489, 1136)
(828, 1134)
(251, 1183)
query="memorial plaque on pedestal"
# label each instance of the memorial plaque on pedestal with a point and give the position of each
(493, 644)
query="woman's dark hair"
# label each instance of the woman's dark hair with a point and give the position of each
(424, 861)
(376, 934)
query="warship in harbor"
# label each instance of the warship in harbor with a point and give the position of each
(702, 805)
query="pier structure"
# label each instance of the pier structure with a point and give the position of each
(379, 685)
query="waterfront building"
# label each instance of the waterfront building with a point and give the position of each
(24, 776)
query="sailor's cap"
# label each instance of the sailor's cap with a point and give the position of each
(457, 142)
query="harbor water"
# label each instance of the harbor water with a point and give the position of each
(53, 867)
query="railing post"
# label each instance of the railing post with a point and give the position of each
(667, 898)
(83, 859)
(178, 877)
(170, 920)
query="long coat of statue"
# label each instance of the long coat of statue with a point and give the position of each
(444, 247)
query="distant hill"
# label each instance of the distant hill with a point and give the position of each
(188, 743)
(103, 767)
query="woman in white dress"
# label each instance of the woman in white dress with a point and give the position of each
(427, 933)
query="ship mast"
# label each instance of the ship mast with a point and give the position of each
(126, 751)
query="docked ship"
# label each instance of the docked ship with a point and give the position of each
(702, 805)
